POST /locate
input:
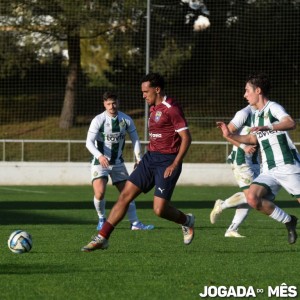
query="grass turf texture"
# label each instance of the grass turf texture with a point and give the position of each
(138, 265)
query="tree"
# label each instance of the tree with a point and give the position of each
(68, 22)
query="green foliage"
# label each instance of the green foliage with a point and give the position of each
(171, 59)
(137, 265)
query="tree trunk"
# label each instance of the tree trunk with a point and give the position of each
(67, 116)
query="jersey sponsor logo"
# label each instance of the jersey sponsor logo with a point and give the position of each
(157, 116)
(262, 134)
(115, 138)
(155, 135)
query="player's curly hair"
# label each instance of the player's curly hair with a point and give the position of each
(261, 81)
(155, 79)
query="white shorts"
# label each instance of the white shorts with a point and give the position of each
(244, 174)
(117, 172)
(287, 176)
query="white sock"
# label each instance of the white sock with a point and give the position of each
(131, 213)
(234, 200)
(241, 214)
(100, 207)
(279, 215)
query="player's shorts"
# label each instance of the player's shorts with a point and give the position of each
(244, 174)
(287, 176)
(117, 172)
(150, 172)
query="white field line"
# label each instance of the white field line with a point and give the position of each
(22, 190)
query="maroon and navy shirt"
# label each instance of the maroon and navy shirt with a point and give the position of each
(165, 121)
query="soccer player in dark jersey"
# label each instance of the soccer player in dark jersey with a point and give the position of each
(160, 167)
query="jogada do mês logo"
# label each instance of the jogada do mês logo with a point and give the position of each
(282, 290)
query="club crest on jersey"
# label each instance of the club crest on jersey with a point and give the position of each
(122, 123)
(157, 116)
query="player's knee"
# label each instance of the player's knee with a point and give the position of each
(253, 201)
(99, 195)
(159, 211)
(125, 198)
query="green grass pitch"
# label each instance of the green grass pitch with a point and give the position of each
(138, 265)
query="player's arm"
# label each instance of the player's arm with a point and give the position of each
(186, 141)
(247, 148)
(90, 144)
(136, 145)
(245, 139)
(285, 124)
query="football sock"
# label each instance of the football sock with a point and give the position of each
(279, 215)
(188, 221)
(182, 219)
(131, 213)
(234, 200)
(100, 207)
(106, 230)
(240, 215)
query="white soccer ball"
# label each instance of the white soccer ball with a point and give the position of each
(20, 242)
(201, 23)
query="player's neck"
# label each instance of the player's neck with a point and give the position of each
(112, 115)
(160, 98)
(262, 103)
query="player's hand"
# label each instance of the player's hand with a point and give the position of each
(224, 128)
(250, 149)
(169, 171)
(103, 161)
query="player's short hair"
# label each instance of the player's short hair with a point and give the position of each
(261, 81)
(155, 79)
(110, 95)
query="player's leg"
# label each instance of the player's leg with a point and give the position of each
(99, 176)
(135, 223)
(258, 199)
(240, 215)
(244, 174)
(289, 179)
(141, 179)
(164, 188)
(117, 213)
(220, 205)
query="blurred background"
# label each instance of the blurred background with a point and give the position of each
(58, 57)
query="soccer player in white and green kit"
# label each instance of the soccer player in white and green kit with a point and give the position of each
(105, 141)
(245, 165)
(280, 158)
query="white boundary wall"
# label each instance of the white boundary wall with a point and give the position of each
(66, 173)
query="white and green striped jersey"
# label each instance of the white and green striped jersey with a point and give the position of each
(277, 148)
(242, 122)
(106, 136)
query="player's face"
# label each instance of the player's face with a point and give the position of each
(251, 94)
(150, 94)
(111, 106)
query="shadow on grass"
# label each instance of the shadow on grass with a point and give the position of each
(59, 205)
(30, 212)
(12, 217)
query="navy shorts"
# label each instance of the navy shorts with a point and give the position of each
(150, 172)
